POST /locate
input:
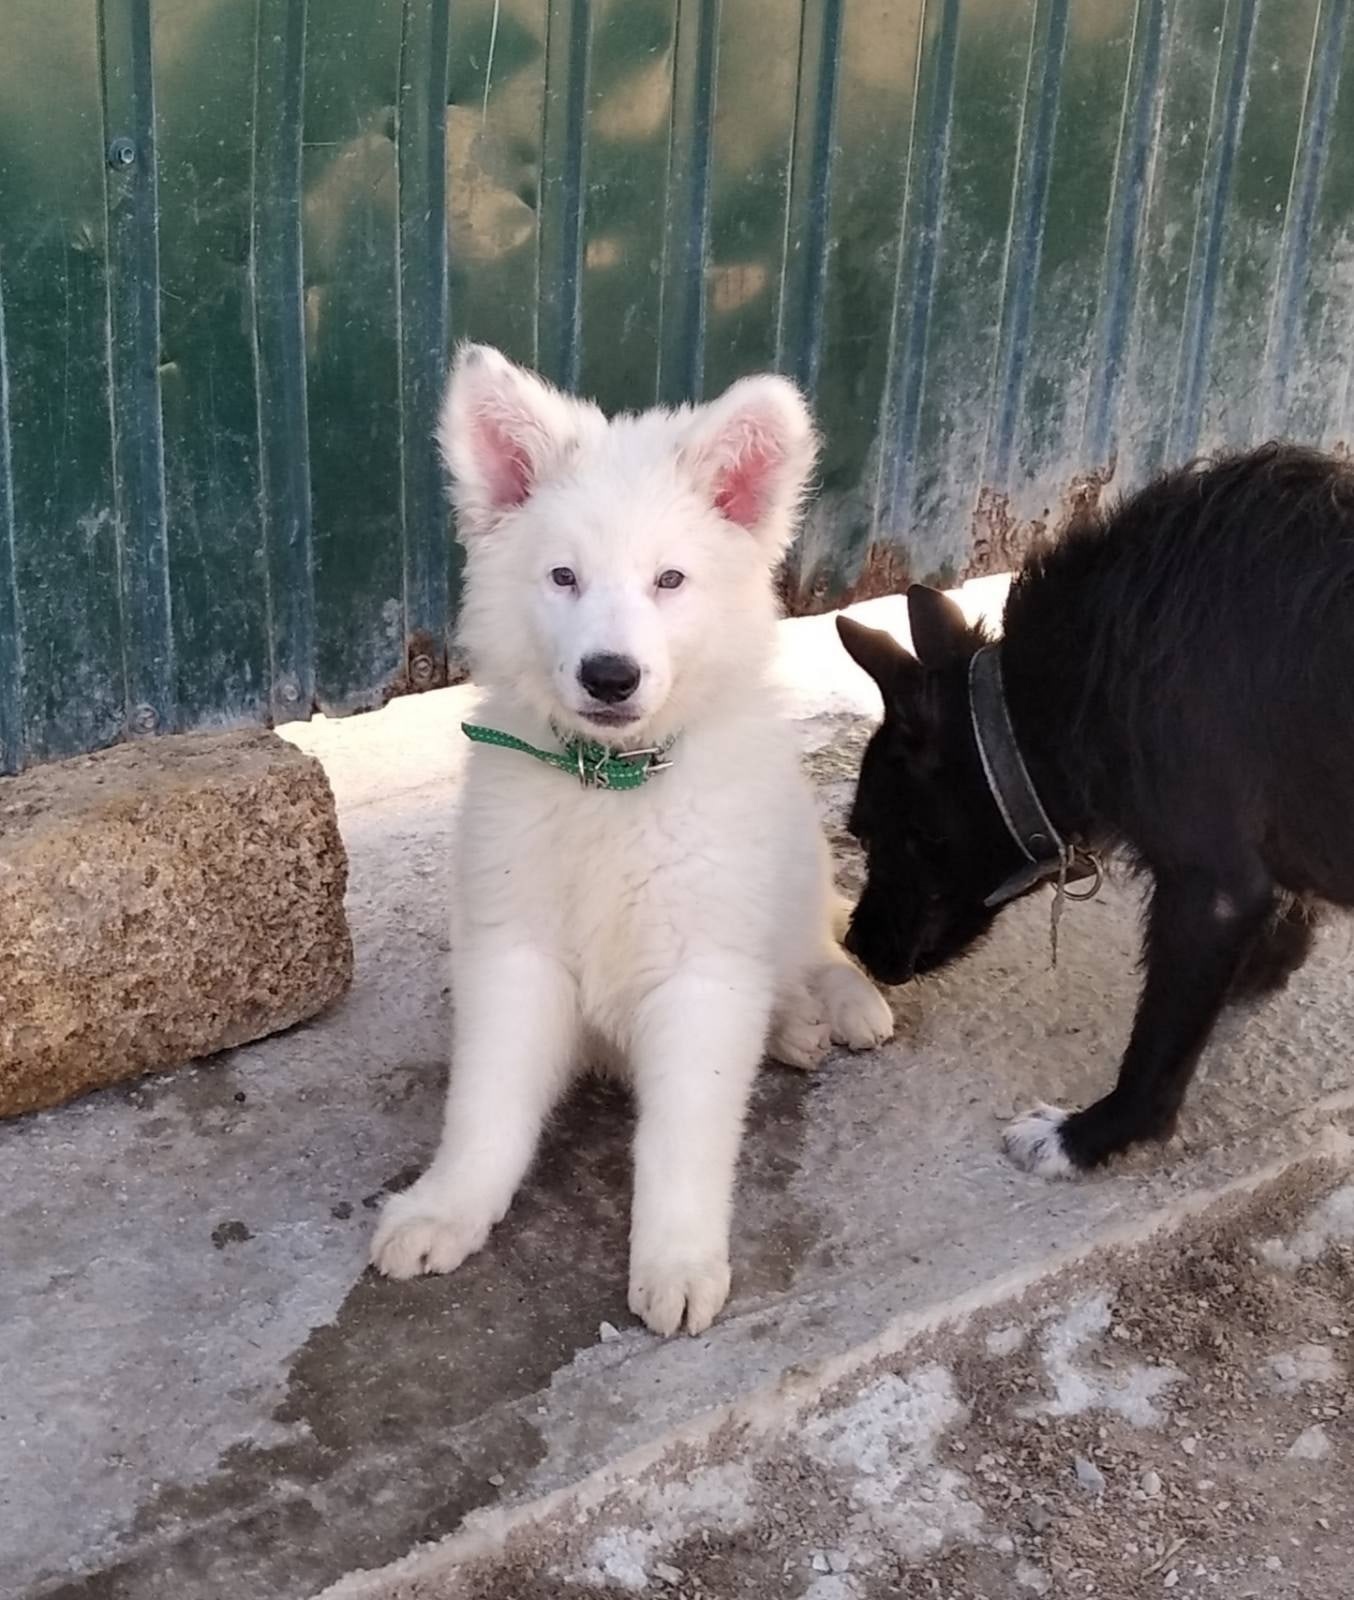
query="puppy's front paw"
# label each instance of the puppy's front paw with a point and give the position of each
(420, 1232)
(858, 1016)
(800, 1037)
(1034, 1142)
(664, 1289)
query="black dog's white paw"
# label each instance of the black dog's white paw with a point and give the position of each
(1034, 1142)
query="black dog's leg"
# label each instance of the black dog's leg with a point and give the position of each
(1199, 928)
(1276, 953)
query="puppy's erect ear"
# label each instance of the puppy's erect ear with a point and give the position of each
(940, 631)
(894, 669)
(501, 431)
(751, 451)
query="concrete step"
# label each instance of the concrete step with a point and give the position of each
(1168, 1408)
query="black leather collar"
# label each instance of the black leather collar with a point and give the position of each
(1047, 854)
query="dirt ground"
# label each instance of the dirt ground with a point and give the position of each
(1172, 1417)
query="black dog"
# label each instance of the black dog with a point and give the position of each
(1175, 679)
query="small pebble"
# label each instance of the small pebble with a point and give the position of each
(1312, 1444)
(1171, 1578)
(666, 1574)
(1189, 1445)
(608, 1333)
(497, 1479)
(1273, 1564)
(1089, 1476)
(1005, 1341)
(1028, 1576)
(838, 1561)
(819, 1562)
(1151, 1483)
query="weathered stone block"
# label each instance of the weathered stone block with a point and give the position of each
(159, 902)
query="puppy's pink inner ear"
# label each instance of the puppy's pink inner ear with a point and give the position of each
(504, 461)
(742, 487)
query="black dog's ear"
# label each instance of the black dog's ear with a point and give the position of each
(878, 653)
(940, 631)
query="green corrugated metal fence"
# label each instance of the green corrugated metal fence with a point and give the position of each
(1015, 248)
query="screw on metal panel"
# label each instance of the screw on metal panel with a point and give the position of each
(121, 152)
(421, 669)
(145, 719)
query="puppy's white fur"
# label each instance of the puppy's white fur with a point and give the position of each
(674, 930)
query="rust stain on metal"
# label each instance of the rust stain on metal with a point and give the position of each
(426, 665)
(883, 570)
(1001, 540)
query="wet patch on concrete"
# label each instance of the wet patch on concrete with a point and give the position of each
(419, 1402)
(202, 1093)
(230, 1232)
(769, 1255)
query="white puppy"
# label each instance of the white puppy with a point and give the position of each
(618, 600)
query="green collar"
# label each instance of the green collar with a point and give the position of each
(596, 766)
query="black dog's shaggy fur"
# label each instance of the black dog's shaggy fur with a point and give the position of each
(1179, 671)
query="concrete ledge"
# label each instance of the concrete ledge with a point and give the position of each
(160, 902)
(1001, 1443)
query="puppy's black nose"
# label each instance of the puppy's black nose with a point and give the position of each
(609, 678)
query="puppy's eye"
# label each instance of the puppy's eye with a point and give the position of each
(671, 579)
(563, 577)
